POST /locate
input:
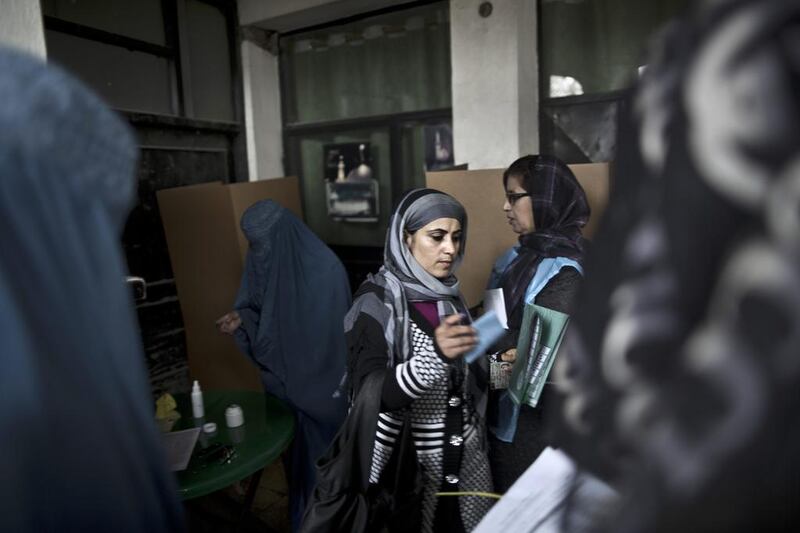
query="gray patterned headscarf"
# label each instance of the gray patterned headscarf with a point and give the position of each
(401, 279)
(417, 209)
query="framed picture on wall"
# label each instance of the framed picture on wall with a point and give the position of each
(346, 160)
(438, 140)
(351, 190)
(353, 201)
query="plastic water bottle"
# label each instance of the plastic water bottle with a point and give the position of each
(197, 401)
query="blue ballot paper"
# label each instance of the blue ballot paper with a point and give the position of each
(489, 330)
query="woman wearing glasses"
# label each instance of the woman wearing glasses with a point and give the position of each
(546, 206)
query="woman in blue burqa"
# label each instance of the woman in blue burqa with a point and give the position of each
(80, 448)
(288, 318)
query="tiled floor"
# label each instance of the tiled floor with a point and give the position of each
(220, 511)
(271, 504)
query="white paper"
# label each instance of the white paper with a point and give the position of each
(179, 446)
(489, 330)
(536, 502)
(494, 300)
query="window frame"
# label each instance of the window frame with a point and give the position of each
(293, 131)
(176, 52)
(546, 134)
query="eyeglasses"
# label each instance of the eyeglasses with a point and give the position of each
(512, 197)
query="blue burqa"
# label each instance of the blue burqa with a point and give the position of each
(79, 449)
(292, 301)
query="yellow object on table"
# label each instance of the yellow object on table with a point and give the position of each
(166, 412)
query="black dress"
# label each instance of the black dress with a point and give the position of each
(535, 427)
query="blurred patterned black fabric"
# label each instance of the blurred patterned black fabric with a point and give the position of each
(682, 365)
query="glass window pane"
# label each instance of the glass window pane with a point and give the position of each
(140, 19)
(313, 172)
(210, 67)
(133, 81)
(597, 46)
(581, 132)
(389, 63)
(426, 146)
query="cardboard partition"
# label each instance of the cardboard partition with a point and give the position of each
(481, 193)
(207, 251)
(596, 180)
(488, 234)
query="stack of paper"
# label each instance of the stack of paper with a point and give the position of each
(489, 330)
(179, 446)
(538, 501)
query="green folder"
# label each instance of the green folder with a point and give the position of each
(539, 340)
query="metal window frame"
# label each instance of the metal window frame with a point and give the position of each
(176, 52)
(618, 96)
(292, 162)
(115, 39)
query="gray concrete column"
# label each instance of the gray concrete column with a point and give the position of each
(495, 82)
(21, 26)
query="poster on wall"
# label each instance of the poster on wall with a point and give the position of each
(351, 190)
(438, 139)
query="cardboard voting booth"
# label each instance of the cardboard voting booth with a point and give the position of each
(595, 180)
(489, 235)
(207, 251)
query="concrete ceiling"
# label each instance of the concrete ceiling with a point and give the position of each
(288, 15)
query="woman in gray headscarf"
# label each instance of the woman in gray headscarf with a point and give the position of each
(406, 323)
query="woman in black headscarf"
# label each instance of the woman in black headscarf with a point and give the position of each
(546, 206)
(405, 325)
(288, 320)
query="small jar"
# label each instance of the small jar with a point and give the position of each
(234, 417)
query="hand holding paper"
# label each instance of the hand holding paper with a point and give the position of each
(453, 338)
(489, 330)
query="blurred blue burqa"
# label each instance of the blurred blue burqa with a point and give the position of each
(292, 301)
(79, 449)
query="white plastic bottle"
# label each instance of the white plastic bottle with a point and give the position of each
(197, 401)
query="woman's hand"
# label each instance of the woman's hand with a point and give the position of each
(509, 356)
(229, 322)
(453, 339)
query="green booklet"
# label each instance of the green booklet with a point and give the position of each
(539, 340)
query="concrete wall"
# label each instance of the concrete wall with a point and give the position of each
(21, 26)
(262, 112)
(495, 82)
(287, 15)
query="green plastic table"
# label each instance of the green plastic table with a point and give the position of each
(267, 431)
